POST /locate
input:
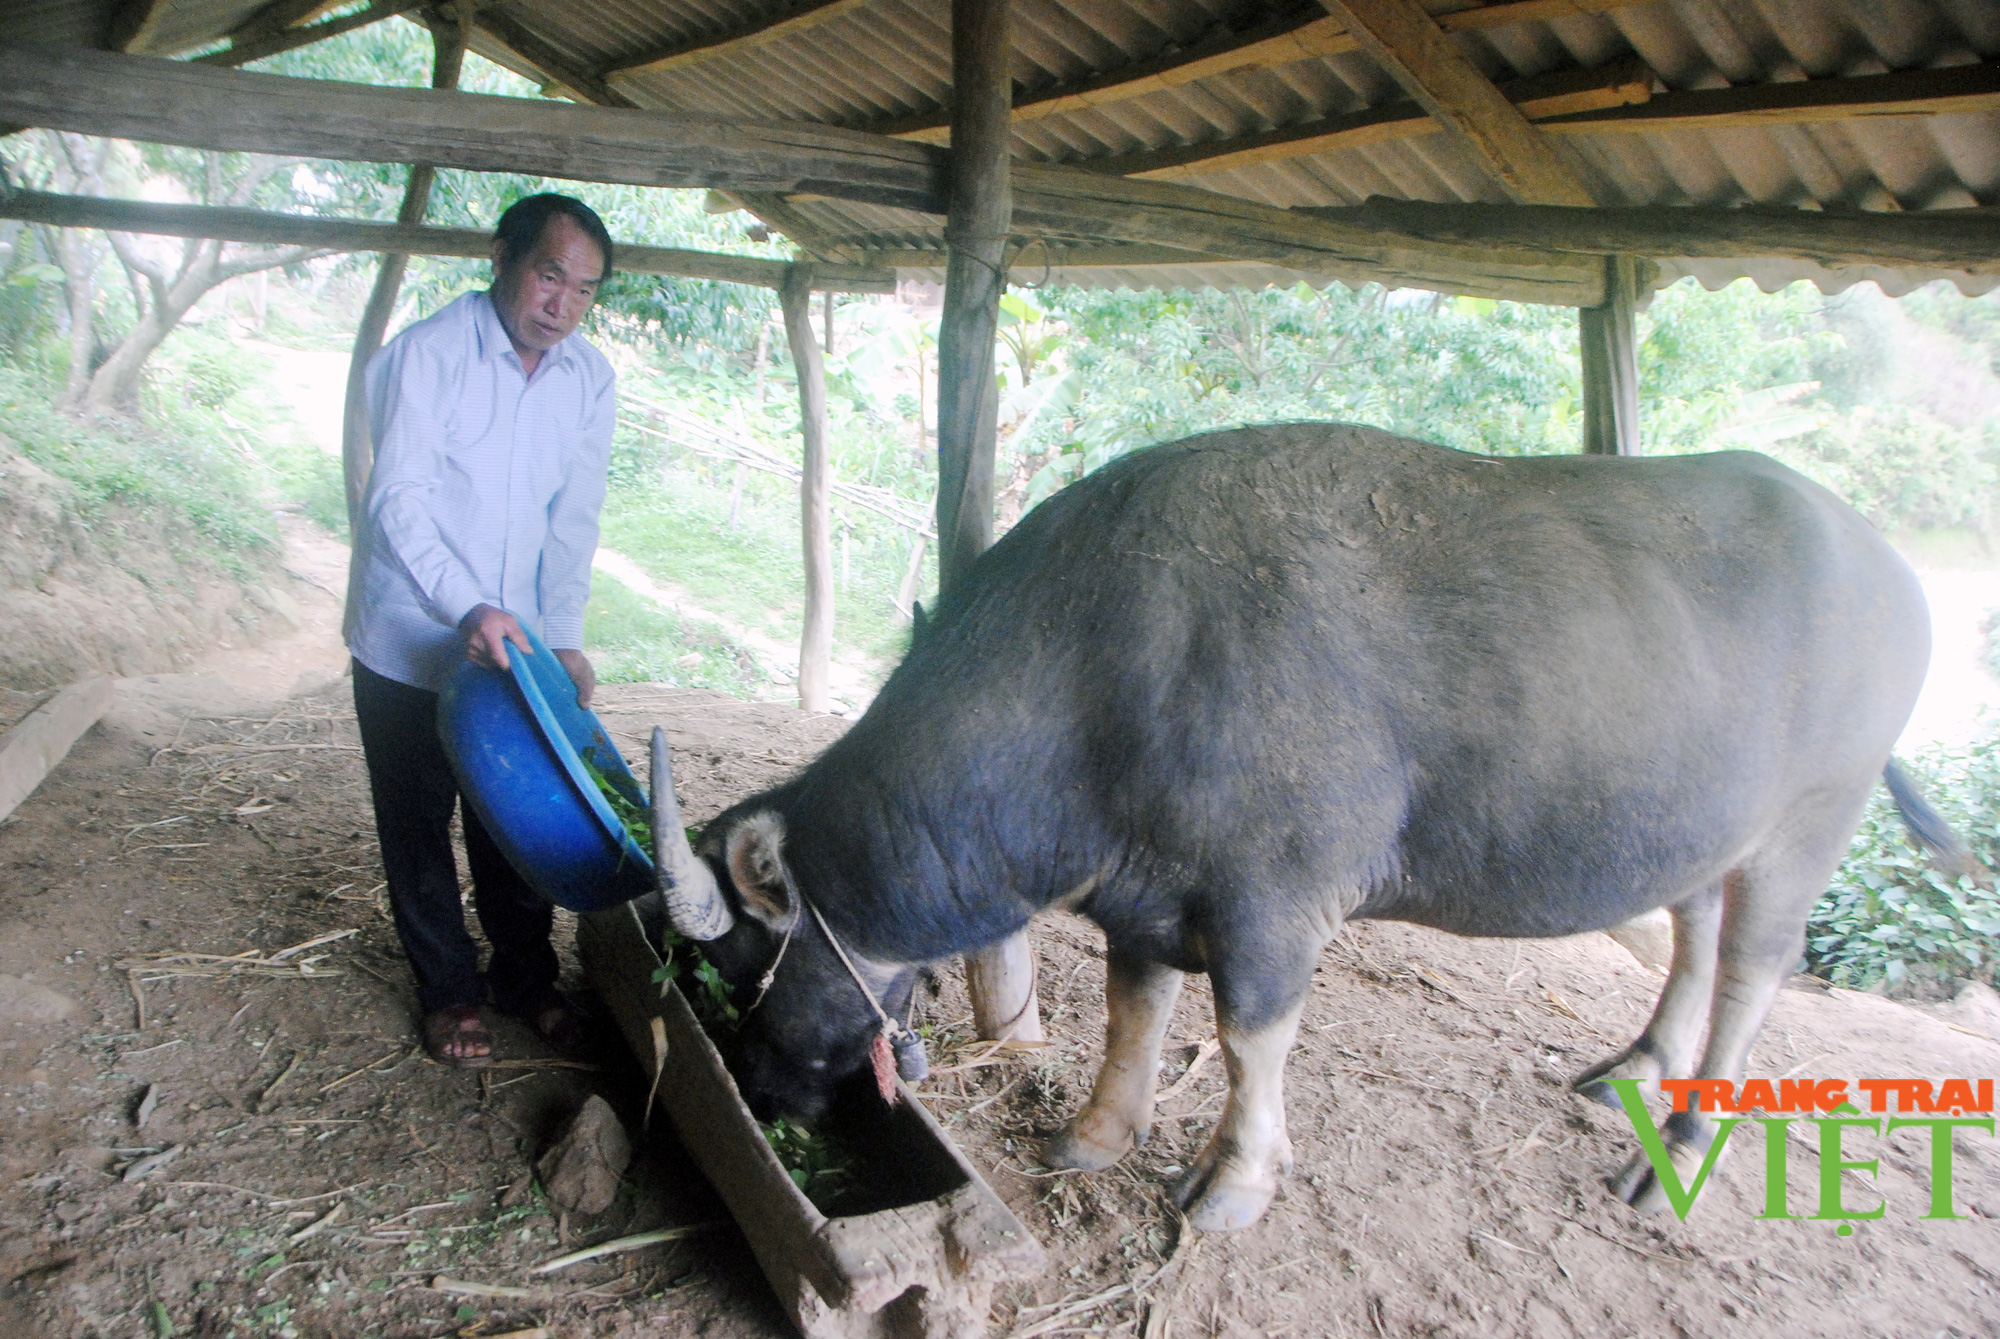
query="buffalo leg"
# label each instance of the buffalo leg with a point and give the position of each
(1667, 1048)
(1139, 1001)
(1762, 934)
(1236, 1175)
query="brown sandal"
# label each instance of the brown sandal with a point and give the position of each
(456, 1028)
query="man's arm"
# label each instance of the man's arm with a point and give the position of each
(409, 393)
(572, 542)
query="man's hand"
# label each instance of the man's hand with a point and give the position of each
(580, 674)
(487, 631)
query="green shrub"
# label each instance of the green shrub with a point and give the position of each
(632, 640)
(1901, 466)
(309, 476)
(1888, 916)
(183, 462)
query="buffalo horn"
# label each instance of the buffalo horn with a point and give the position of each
(694, 903)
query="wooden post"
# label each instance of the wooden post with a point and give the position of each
(357, 449)
(980, 205)
(816, 644)
(1611, 365)
(1000, 979)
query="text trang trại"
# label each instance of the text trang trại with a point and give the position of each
(1942, 1107)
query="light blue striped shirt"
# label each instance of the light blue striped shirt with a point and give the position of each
(486, 489)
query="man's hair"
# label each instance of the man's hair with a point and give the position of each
(522, 226)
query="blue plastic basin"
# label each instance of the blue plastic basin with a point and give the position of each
(517, 740)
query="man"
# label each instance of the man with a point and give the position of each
(492, 427)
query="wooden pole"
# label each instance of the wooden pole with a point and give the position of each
(816, 643)
(357, 449)
(1000, 979)
(980, 210)
(1611, 365)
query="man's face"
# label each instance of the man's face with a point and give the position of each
(542, 296)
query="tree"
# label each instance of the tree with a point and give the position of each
(78, 166)
(164, 292)
(164, 286)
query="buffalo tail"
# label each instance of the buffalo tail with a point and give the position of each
(1949, 853)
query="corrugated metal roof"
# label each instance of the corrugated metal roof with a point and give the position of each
(869, 63)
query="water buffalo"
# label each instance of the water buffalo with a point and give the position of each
(1226, 694)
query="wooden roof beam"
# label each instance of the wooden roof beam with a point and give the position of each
(776, 28)
(247, 46)
(1041, 254)
(1621, 84)
(557, 70)
(1283, 40)
(1408, 43)
(1952, 90)
(1966, 240)
(130, 24)
(1624, 104)
(256, 225)
(278, 15)
(177, 102)
(1057, 201)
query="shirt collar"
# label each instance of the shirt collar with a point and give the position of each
(492, 336)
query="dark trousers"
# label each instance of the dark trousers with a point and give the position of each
(414, 792)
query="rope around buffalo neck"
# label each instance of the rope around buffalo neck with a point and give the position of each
(891, 1029)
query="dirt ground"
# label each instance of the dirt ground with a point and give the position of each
(325, 1180)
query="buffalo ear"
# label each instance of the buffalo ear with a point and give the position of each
(756, 861)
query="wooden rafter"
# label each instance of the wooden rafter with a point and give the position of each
(774, 28)
(1622, 84)
(130, 24)
(1054, 201)
(248, 46)
(1954, 90)
(256, 225)
(1965, 240)
(778, 212)
(180, 103)
(556, 69)
(1408, 43)
(1283, 40)
(279, 15)
(1041, 255)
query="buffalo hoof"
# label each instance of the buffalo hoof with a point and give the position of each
(1639, 1186)
(1632, 1063)
(1225, 1192)
(1638, 1181)
(1090, 1144)
(1213, 1204)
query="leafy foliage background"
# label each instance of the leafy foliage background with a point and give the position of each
(1888, 917)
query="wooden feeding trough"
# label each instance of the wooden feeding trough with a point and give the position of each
(928, 1242)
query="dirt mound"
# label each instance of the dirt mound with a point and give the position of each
(330, 1182)
(111, 591)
